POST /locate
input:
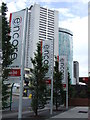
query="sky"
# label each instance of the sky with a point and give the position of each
(73, 15)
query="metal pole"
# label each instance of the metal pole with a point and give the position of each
(22, 65)
(51, 109)
(66, 88)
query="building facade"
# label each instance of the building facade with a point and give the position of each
(76, 71)
(42, 25)
(66, 49)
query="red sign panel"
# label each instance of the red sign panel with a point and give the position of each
(64, 85)
(15, 73)
(48, 81)
(85, 79)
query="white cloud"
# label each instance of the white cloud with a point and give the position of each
(21, 4)
(65, 12)
(84, 1)
(47, 1)
(79, 27)
(15, 5)
(11, 8)
(0, 2)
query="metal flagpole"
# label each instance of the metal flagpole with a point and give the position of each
(22, 65)
(51, 107)
(66, 88)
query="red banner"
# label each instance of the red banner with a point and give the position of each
(48, 81)
(64, 85)
(15, 73)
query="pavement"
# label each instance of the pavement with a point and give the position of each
(74, 113)
(7, 114)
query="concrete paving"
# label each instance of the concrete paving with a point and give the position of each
(25, 114)
(76, 112)
(70, 114)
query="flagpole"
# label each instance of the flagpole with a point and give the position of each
(66, 85)
(51, 107)
(66, 88)
(22, 65)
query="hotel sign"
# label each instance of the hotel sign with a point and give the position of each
(63, 68)
(47, 52)
(17, 20)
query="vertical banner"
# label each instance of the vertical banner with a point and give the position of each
(47, 53)
(63, 69)
(48, 58)
(17, 20)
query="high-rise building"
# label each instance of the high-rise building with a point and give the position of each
(76, 71)
(66, 49)
(42, 25)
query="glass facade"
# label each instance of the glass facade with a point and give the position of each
(66, 48)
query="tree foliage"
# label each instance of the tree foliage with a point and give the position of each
(38, 73)
(58, 87)
(7, 50)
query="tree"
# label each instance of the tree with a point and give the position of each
(7, 50)
(38, 73)
(58, 87)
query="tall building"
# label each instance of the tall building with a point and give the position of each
(42, 25)
(76, 71)
(66, 48)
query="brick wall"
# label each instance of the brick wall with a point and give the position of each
(79, 102)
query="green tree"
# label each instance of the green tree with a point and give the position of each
(58, 92)
(38, 80)
(7, 50)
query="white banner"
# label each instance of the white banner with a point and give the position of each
(17, 26)
(17, 23)
(47, 52)
(63, 68)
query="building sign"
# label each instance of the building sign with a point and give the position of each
(47, 52)
(48, 81)
(15, 72)
(63, 68)
(64, 87)
(84, 79)
(17, 20)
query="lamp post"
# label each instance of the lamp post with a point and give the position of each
(52, 67)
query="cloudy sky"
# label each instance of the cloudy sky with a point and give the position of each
(73, 15)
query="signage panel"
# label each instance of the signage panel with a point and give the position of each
(17, 26)
(17, 20)
(47, 52)
(63, 68)
(64, 87)
(15, 72)
(48, 81)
